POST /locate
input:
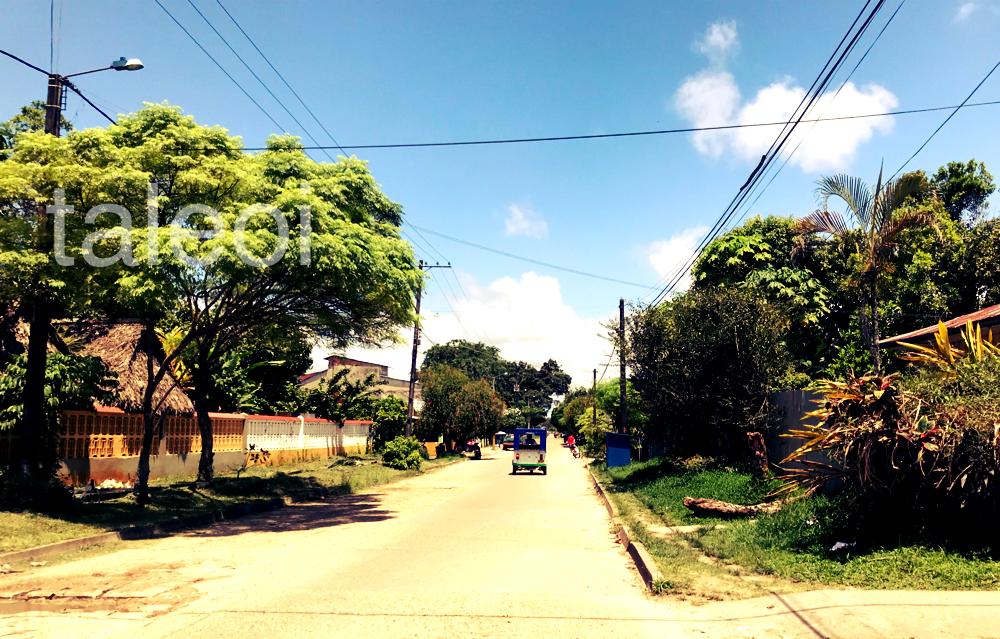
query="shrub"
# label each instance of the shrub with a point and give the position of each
(919, 456)
(402, 453)
(703, 363)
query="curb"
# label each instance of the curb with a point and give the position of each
(148, 531)
(644, 563)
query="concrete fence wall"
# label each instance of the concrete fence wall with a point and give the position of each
(104, 444)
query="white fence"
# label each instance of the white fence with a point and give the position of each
(304, 433)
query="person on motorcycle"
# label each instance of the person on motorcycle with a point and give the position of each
(571, 442)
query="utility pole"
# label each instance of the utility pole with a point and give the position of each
(39, 326)
(594, 405)
(26, 455)
(623, 407)
(416, 344)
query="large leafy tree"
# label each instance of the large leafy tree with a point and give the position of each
(703, 364)
(346, 275)
(475, 359)
(456, 407)
(479, 412)
(964, 188)
(879, 218)
(769, 256)
(518, 383)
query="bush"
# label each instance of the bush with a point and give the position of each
(402, 453)
(704, 363)
(919, 457)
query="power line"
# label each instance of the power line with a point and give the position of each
(530, 260)
(947, 119)
(221, 68)
(815, 90)
(281, 77)
(626, 134)
(23, 61)
(257, 78)
(788, 157)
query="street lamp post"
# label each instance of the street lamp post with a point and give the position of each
(34, 379)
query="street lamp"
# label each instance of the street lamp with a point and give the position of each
(54, 100)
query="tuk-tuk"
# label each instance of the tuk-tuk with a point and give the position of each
(529, 449)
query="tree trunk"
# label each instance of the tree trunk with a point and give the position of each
(32, 420)
(148, 421)
(758, 454)
(868, 317)
(142, 472)
(715, 508)
(206, 469)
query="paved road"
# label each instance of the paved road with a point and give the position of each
(468, 550)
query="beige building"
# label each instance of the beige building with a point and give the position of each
(359, 370)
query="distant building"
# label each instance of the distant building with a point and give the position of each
(359, 370)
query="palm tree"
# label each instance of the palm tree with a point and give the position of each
(879, 220)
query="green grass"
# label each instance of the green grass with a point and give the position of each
(790, 548)
(304, 481)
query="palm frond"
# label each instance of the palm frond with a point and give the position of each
(902, 220)
(852, 190)
(892, 196)
(822, 221)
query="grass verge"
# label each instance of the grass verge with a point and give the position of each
(303, 481)
(790, 550)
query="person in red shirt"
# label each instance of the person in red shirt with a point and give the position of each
(571, 441)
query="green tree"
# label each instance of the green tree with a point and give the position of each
(388, 421)
(441, 388)
(609, 401)
(340, 397)
(71, 382)
(479, 412)
(965, 188)
(518, 383)
(703, 364)
(30, 118)
(879, 219)
(475, 359)
(592, 433)
(346, 275)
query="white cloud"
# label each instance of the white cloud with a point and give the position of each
(720, 40)
(712, 97)
(709, 98)
(825, 146)
(965, 10)
(524, 221)
(667, 256)
(525, 317)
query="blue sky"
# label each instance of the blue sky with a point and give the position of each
(384, 72)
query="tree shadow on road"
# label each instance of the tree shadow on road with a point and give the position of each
(337, 511)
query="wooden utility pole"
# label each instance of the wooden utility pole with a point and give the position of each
(623, 407)
(416, 345)
(32, 416)
(594, 392)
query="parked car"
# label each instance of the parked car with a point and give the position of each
(508, 442)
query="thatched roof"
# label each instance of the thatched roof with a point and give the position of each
(126, 349)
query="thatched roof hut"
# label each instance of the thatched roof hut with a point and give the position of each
(126, 348)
